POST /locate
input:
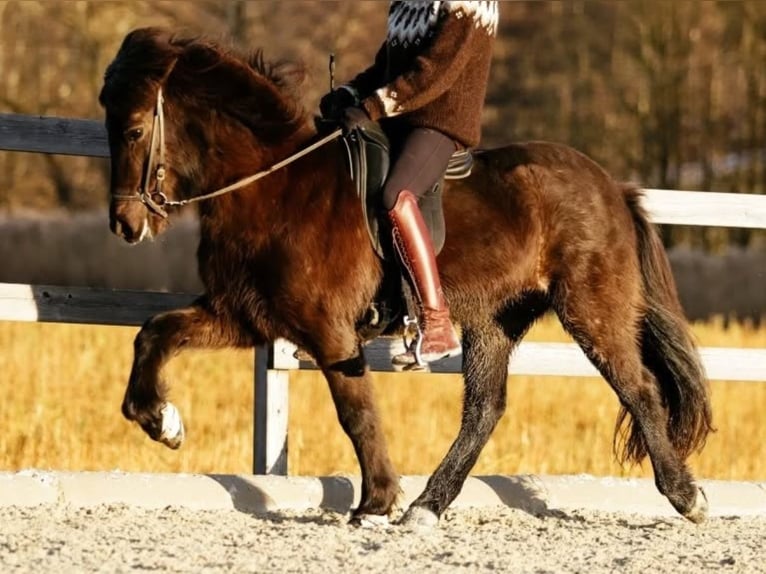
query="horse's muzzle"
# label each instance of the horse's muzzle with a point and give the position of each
(128, 220)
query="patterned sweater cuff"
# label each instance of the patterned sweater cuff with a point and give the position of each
(382, 103)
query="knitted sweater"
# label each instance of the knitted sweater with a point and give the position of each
(433, 67)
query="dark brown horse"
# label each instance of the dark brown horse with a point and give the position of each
(537, 226)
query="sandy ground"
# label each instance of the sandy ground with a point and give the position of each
(127, 539)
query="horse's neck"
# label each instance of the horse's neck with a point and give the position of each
(255, 156)
(294, 216)
(311, 185)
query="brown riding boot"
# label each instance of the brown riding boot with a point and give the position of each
(436, 337)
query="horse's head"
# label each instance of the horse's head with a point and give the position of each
(138, 135)
(184, 117)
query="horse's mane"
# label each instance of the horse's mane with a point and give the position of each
(264, 95)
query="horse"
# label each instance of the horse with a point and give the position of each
(537, 227)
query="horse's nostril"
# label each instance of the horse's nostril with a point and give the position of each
(122, 230)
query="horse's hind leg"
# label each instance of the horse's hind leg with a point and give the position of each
(610, 336)
(160, 338)
(485, 366)
(348, 375)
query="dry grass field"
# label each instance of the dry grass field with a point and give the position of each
(62, 386)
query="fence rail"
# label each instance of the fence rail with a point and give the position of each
(273, 364)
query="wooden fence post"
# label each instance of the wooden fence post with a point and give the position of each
(270, 413)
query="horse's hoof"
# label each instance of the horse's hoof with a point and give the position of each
(172, 434)
(698, 512)
(409, 367)
(419, 517)
(370, 521)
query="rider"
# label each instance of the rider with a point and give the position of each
(426, 87)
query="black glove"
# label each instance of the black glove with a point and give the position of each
(334, 104)
(353, 117)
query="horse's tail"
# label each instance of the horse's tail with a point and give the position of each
(668, 349)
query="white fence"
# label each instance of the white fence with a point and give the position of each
(274, 363)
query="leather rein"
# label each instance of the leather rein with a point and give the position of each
(156, 201)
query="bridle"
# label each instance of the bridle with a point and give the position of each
(156, 201)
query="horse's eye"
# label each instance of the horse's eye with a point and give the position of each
(134, 134)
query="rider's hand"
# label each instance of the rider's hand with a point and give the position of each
(353, 117)
(334, 104)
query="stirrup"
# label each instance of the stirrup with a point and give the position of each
(412, 346)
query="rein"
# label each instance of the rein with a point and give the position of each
(156, 201)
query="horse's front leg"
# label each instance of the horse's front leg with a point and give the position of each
(345, 368)
(160, 338)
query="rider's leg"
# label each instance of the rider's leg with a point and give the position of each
(422, 160)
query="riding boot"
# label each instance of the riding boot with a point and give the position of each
(436, 338)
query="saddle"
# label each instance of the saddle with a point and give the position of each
(368, 155)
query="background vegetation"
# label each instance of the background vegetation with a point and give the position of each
(671, 94)
(667, 93)
(64, 383)
(78, 249)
